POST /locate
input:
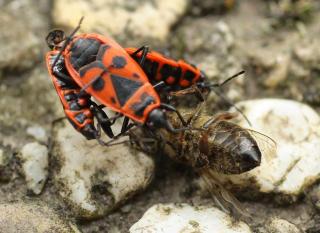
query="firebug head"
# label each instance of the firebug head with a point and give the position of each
(54, 38)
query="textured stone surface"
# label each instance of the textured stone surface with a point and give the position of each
(295, 128)
(94, 179)
(177, 218)
(38, 133)
(140, 18)
(34, 158)
(32, 218)
(28, 25)
(278, 225)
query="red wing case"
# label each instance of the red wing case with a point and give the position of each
(111, 76)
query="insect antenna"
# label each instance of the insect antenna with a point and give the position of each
(227, 80)
(216, 90)
(68, 40)
(229, 102)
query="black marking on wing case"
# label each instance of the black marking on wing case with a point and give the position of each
(124, 87)
(102, 51)
(95, 64)
(119, 62)
(98, 84)
(139, 107)
(83, 52)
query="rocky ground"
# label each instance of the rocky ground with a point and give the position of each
(53, 180)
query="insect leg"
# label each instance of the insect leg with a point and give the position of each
(173, 109)
(125, 124)
(229, 102)
(145, 50)
(219, 117)
(190, 90)
(144, 142)
(103, 120)
(112, 141)
(196, 114)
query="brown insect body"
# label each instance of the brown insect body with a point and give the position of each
(214, 145)
(223, 146)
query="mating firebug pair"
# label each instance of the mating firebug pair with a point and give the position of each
(123, 80)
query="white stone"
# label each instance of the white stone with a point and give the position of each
(178, 218)
(32, 217)
(278, 225)
(35, 165)
(85, 165)
(115, 17)
(2, 158)
(37, 132)
(279, 72)
(295, 127)
(27, 24)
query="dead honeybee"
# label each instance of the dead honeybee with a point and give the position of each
(214, 145)
(221, 145)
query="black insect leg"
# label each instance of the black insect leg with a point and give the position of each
(125, 124)
(173, 109)
(103, 120)
(112, 141)
(145, 50)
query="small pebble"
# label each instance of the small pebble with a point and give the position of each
(177, 218)
(34, 158)
(37, 132)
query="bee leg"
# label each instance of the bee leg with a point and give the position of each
(196, 113)
(217, 91)
(219, 117)
(190, 90)
(143, 142)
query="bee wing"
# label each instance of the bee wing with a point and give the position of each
(226, 201)
(267, 145)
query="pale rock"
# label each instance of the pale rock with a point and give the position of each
(34, 158)
(37, 132)
(295, 166)
(144, 19)
(27, 23)
(22, 217)
(278, 225)
(6, 155)
(279, 72)
(209, 44)
(2, 158)
(307, 57)
(178, 218)
(93, 178)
